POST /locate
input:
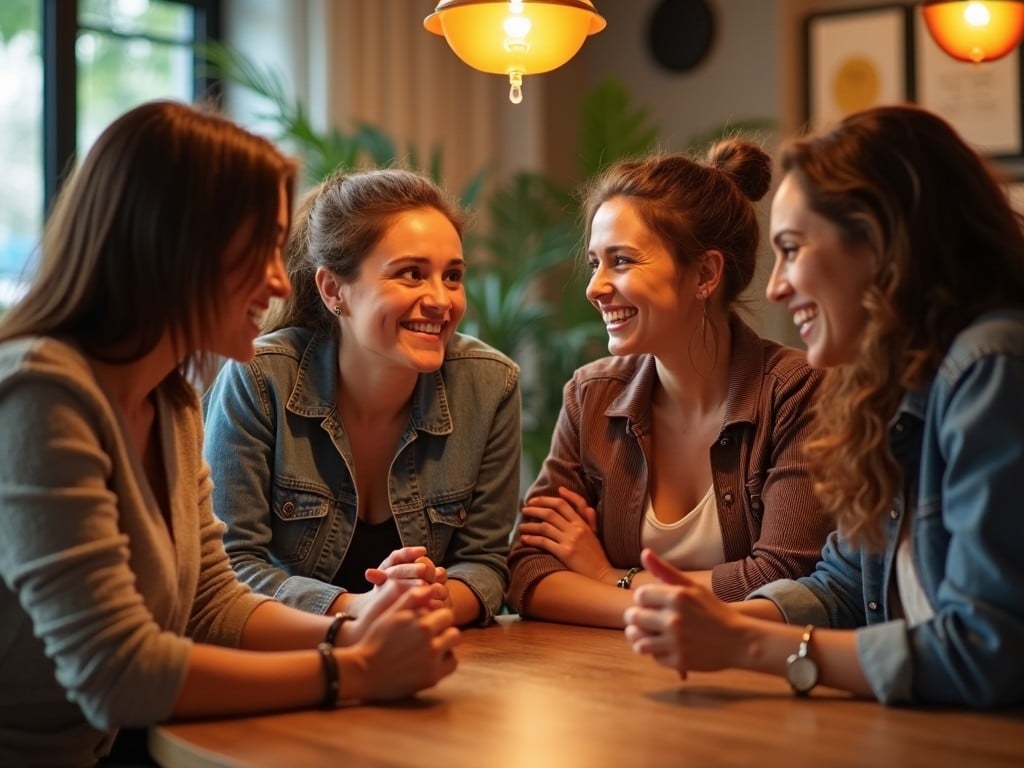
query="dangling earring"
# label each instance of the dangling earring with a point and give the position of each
(705, 321)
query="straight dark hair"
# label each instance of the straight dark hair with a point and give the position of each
(135, 245)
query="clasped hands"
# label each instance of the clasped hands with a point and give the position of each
(401, 571)
(681, 624)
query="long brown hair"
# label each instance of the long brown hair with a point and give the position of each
(336, 226)
(136, 242)
(948, 246)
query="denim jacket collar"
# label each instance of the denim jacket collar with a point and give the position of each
(316, 383)
(746, 365)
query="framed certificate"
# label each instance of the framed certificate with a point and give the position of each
(856, 59)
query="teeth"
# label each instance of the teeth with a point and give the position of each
(434, 328)
(804, 315)
(616, 315)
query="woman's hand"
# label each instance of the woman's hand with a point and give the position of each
(406, 568)
(566, 527)
(682, 624)
(406, 648)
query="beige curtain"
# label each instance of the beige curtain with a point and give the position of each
(385, 69)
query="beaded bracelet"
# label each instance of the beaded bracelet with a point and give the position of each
(332, 680)
(335, 627)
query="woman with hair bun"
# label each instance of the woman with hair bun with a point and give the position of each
(687, 439)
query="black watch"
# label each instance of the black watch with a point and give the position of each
(801, 669)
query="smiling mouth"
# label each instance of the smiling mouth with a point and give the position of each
(804, 315)
(421, 327)
(617, 315)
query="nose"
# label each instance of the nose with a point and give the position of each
(598, 285)
(436, 298)
(778, 287)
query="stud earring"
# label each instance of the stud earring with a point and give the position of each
(337, 309)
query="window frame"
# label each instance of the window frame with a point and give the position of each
(59, 31)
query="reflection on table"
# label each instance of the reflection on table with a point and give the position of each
(532, 695)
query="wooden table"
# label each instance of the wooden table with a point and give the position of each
(533, 695)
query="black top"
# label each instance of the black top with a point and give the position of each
(369, 546)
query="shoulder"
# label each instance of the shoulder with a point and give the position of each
(288, 343)
(463, 351)
(279, 354)
(42, 376)
(788, 365)
(994, 334)
(45, 359)
(774, 361)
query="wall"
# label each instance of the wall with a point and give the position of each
(352, 60)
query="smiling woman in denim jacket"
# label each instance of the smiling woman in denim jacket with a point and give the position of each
(902, 263)
(367, 441)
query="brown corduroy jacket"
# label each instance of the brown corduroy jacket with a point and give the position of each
(773, 526)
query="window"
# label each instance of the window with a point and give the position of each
(76, 65)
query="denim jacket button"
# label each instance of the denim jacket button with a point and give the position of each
(728, 498)
(462, 514)
(873, 605)
(288, 507)
(893, 514)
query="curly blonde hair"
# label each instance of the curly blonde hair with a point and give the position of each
(949, 247)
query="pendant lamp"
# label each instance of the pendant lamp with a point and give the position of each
(975, 30)
(515, 37)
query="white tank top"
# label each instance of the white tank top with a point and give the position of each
(693, 543)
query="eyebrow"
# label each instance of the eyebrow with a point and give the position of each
(457, 262)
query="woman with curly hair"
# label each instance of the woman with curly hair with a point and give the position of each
(901, 261)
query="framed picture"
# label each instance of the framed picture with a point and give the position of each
(982, 101)
(855, 59)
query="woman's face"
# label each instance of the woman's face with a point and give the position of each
(647, 304)
(247, 300)
(820, 278)
(403, 308)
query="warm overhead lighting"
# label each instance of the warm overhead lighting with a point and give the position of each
(515, 37)
(975, 30)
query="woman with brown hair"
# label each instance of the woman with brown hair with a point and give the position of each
(901, 261)
(687, 440)
(119, 605)
(367, 440)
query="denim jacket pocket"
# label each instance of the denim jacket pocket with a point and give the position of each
(444, 520)
(297, 516)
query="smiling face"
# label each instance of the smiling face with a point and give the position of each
(820, 278)
(408, 299)
(646, 302)
(247, 297)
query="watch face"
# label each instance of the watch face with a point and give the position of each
(802, 673)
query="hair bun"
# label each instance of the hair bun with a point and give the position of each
(749, 166)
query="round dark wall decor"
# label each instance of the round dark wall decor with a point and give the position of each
(680, 33)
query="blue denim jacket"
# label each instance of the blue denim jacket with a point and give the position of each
(961, 445)
(280, 459)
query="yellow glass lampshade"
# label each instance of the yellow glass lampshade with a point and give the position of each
(975, 30)
(515, 37)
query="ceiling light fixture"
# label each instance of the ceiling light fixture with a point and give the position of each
(975, 30)
(515, 37)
